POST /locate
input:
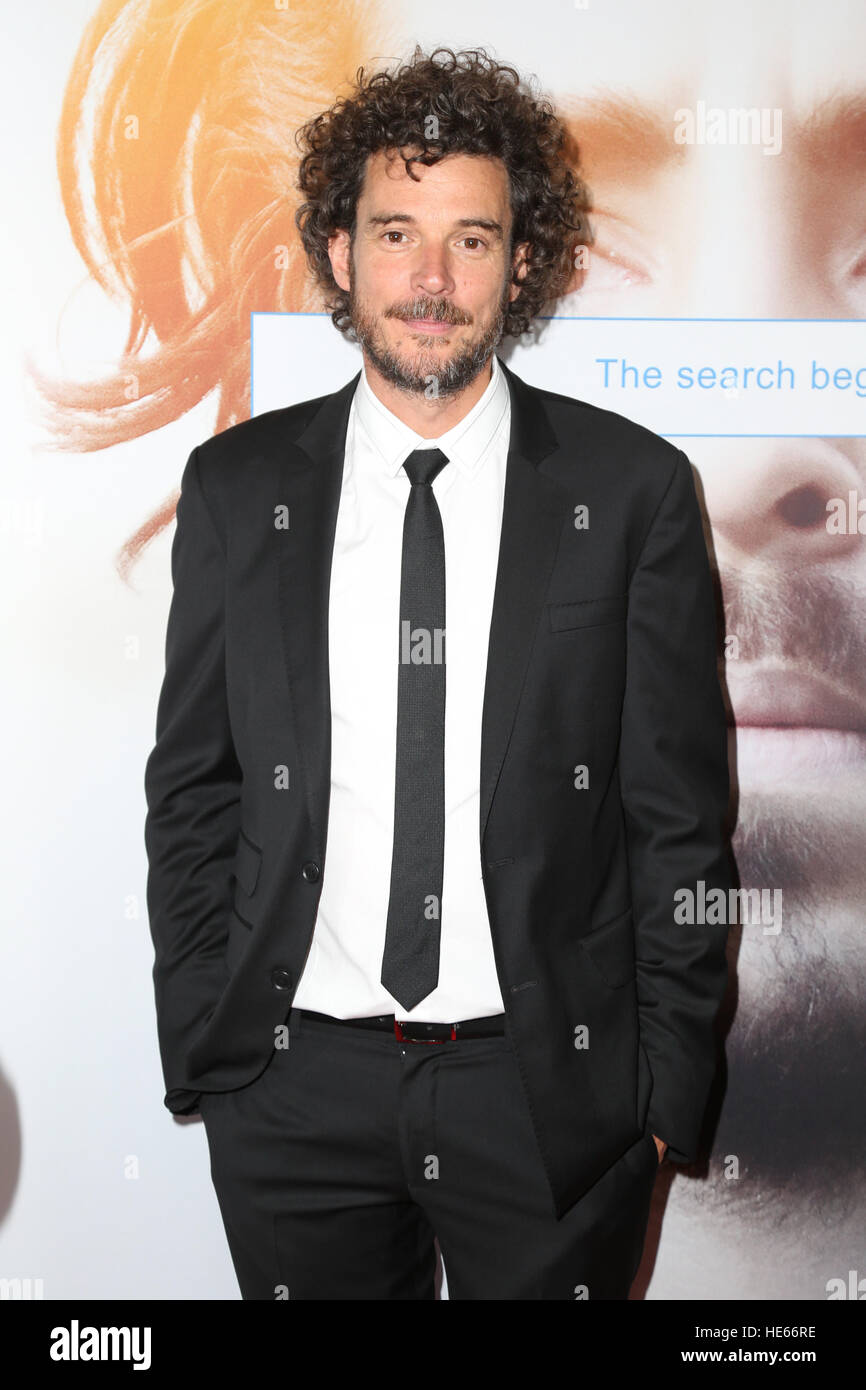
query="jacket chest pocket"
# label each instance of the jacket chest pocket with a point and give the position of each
(587, 613)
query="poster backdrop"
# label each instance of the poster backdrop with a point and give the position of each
(154, 293)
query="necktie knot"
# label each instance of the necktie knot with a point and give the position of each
(423, 465)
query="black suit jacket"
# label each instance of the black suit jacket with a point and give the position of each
(602, 654)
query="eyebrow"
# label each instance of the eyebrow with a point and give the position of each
(835, 131)
(489, 224)
(622, 133)
(631, 137)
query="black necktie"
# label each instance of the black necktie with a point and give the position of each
(410, 964)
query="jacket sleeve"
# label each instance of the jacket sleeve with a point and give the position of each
(674, 786)
(192, 786)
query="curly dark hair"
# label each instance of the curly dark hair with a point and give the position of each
(482, 108)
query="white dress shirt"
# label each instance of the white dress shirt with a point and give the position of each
(341, 974)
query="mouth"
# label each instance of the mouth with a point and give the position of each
(435, 326)
(793, 724)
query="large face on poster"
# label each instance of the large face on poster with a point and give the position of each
(726, 171)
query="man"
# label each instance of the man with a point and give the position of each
(495, 1024)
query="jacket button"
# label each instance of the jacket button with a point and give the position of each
(310, 871)
(281, 979)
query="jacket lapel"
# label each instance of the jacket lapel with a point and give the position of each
(533, 518)
(312, 475)
(532, 522)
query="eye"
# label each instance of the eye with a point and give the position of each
(478, 239)
(394, 232)
(609, 269)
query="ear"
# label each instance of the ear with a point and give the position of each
(520, 266)
(339, 254)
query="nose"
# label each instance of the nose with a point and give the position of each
(768, 500)
(431, 271)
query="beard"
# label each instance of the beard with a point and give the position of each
(789, 1108)
(419, 369)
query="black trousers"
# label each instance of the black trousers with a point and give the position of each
(336, 1168)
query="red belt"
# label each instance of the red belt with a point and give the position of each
(412, 1030)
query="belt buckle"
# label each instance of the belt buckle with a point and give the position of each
(401, 1036)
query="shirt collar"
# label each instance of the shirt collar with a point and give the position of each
(466, 444)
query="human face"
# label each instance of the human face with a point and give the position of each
(704, 230)
(428, 270)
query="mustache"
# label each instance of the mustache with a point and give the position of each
(438, 310)
(803, 617)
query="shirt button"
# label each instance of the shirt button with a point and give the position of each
(281, 979)
(310, 871)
